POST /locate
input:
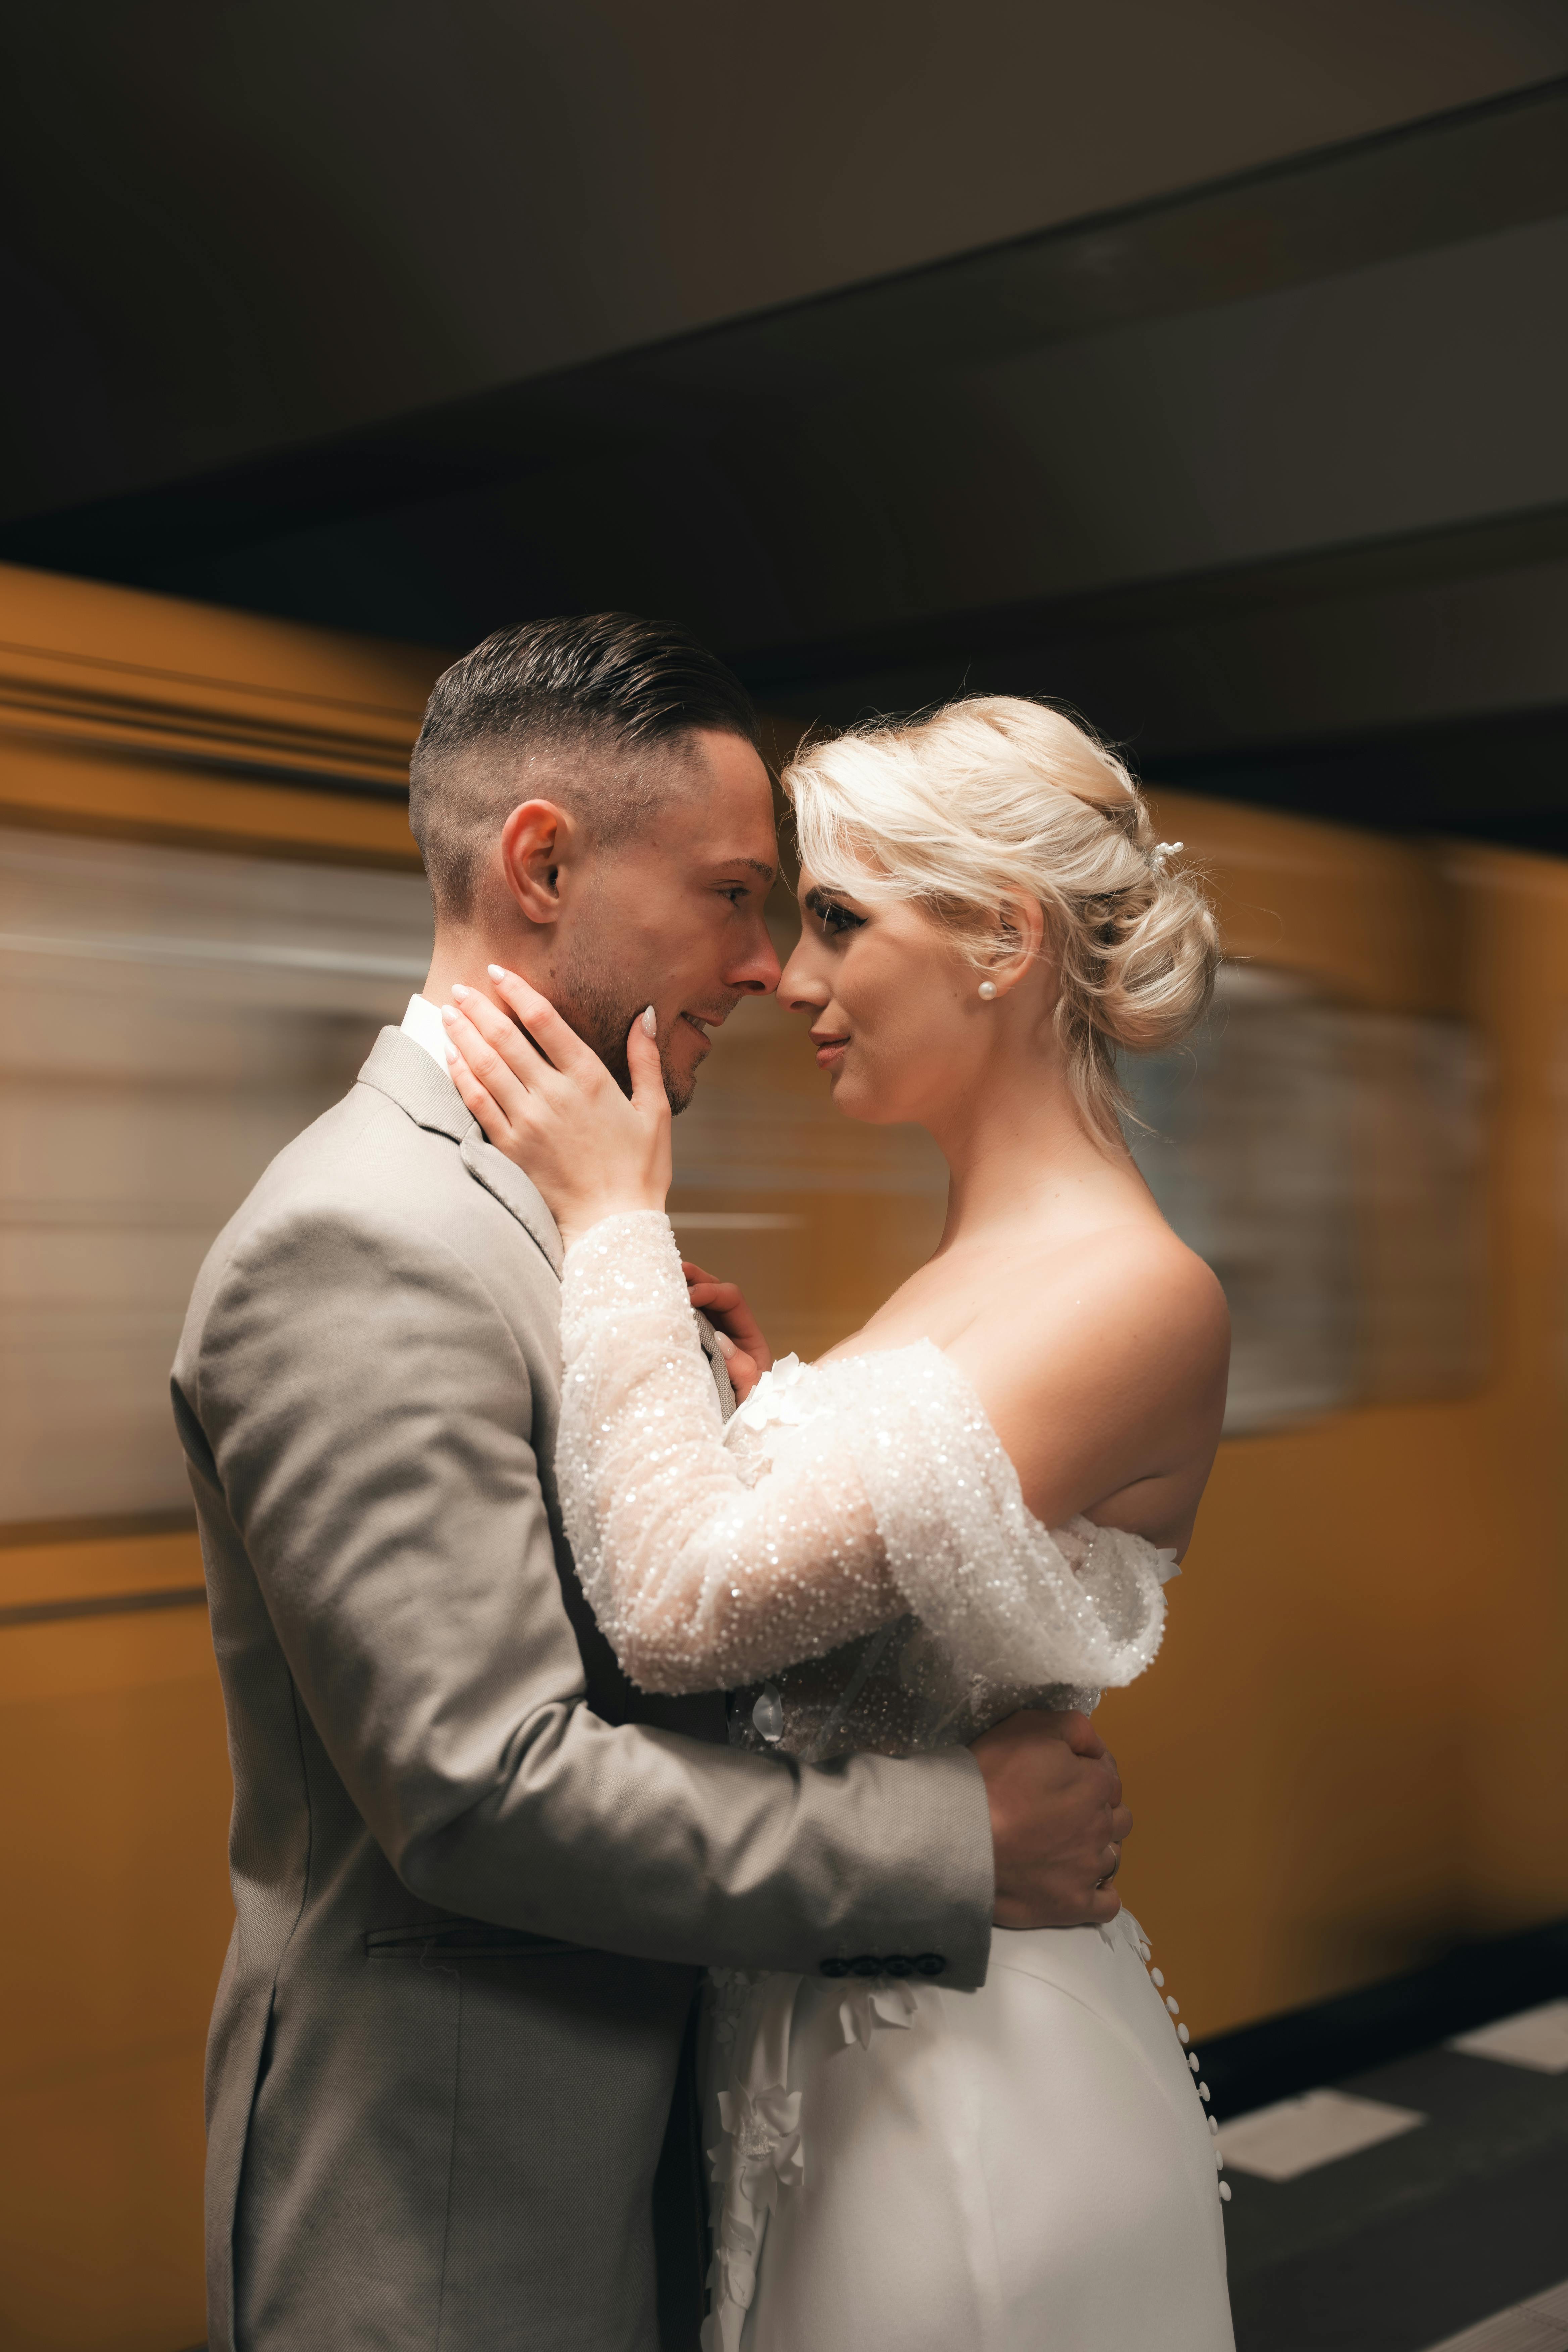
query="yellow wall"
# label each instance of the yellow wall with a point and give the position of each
(137, 717)
(112, 1854)
(1353, 1746)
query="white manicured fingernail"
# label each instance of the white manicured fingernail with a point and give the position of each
(457, 989)
(449, 1014)
(651, 1023)
(497, 971)
(451, 1051)
(725, 1345)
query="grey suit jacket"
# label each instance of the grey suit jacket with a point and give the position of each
(474, 1874)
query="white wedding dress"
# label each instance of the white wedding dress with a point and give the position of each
(897, 2167)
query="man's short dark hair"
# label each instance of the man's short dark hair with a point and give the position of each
(611, 701)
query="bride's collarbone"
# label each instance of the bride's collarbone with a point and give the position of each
(898, 1325)
(950, 1298)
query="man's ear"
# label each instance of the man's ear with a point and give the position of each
(538, 841)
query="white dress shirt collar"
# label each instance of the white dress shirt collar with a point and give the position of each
(423, 1023)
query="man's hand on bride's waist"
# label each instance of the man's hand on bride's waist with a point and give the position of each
(545, 1098)
(1057, 1821)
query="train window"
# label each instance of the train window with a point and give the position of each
(168, 1020)
(1326, 1162)
(1420, 1109)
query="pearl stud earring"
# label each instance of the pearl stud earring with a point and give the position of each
(988, 989)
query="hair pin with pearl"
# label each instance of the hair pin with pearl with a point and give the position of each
(1161, 850)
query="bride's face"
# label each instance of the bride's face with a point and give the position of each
(893, 1004)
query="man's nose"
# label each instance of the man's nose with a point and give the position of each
(757, 972)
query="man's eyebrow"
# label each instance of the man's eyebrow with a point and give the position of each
(756, 864)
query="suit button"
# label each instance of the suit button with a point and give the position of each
(898, 1964)
(868, 1965)
(930, 1964)
(835, 1968)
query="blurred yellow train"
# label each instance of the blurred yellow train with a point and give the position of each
(1352, 1753)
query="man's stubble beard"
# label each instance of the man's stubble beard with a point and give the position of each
(602, 1017)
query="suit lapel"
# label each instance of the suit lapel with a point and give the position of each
(514, 1190)
(716, 1365)
(518, 1193)
(404, 1072)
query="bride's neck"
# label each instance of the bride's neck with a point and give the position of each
(1016, 1147)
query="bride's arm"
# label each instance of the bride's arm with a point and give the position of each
(893, 1496)
(699, 1580)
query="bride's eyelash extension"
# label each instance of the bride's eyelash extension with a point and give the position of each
(835, 920)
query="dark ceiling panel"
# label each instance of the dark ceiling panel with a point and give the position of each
(1482, 171)
(1267, 478)
(229, 228)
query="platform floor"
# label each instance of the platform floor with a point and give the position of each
(1422, 2204)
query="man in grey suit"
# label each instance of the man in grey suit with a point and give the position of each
(476, 1873)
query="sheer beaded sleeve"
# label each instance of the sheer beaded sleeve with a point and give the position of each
(882, 1491)
(699, 1580)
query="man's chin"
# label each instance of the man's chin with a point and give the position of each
(604, 1022)
(680, 1086)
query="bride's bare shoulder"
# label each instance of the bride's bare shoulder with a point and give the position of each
(1125, 1304)
(1141, 1281)
(1143, 1262)
(1102, 1367)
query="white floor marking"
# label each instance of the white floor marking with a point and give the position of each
(1536, 2037)
(1279, 2143)
(1539, 2323)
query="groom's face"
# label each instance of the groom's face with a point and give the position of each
(673, 917)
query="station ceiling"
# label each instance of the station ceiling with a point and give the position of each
(1200, 364)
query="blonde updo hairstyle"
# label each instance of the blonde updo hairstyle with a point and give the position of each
(994, 798)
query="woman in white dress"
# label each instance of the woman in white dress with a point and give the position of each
(972, 1504)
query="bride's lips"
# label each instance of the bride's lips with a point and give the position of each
(828, 1050)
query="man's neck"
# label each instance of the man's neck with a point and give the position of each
(465, 957)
